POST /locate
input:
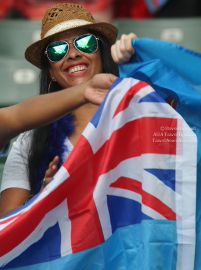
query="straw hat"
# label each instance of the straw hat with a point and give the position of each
(63, 17)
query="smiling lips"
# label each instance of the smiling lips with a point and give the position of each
(76, 69)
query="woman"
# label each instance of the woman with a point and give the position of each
(73, 52)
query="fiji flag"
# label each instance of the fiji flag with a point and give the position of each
(175, 73)
(124, 199)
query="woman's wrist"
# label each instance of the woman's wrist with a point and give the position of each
(85, 87)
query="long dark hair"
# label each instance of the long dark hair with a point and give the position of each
(44, 145)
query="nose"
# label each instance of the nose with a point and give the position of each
(73, 52)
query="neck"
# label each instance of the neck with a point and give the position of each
(83, 116)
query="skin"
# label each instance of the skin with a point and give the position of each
(58, 69)
(121, 52)
(41, 110)
(85, 90)
(66, 100)
(58, 72)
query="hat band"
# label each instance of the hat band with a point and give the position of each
(65, 26)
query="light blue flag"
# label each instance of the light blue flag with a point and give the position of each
(175, 72)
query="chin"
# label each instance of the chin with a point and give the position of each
(78, 81)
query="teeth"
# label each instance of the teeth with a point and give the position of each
(76, 69)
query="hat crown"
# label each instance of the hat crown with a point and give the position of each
(65, 17)
(60, 13)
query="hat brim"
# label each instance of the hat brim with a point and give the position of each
(34, 52)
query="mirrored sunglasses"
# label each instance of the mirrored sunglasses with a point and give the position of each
(57, 50)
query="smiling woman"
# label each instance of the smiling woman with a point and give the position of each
(71, 54)
(75, 67)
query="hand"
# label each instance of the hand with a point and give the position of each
(97, 88)
(51, 171)
(122, 50)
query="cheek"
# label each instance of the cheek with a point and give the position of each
(98, 63)
(53, 70)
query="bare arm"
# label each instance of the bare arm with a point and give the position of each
(42, 110)
(11, 199)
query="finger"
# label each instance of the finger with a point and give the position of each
(55, 161)
(106, 81)
(102, 82)
(128, 43)
(47, 180)
(114, 53)
(112, 78)
(51, 172)
(132, 36)
(49, 175)
(120, 56)
(126, 50)
(117, 51)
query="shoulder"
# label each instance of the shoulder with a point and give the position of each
(23, 143)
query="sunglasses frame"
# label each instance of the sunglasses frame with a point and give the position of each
(74, 40)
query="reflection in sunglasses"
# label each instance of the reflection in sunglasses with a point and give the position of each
(87, 43)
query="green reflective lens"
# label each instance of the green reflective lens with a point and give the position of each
(57, 50)
(86, 43)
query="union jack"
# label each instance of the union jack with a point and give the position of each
(135, 161)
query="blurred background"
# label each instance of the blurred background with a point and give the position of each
(177, 21)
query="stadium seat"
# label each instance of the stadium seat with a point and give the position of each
(19, 81)
(17, 35)
(185, 32)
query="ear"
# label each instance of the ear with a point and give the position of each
(51, 73)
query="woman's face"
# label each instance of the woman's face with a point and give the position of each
(64, 71)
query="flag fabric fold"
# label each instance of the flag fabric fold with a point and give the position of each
(126, 197)
(174, 72)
